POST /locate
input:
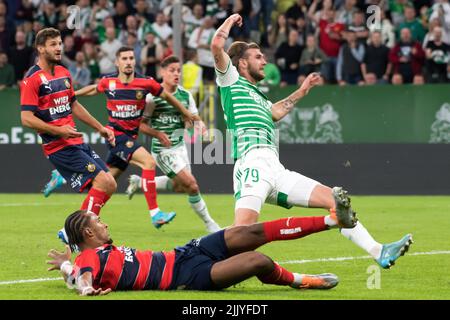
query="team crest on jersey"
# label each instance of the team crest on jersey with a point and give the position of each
(139, 95)
(67, 84)
(129, 144)
(112, 85)
(90, 167)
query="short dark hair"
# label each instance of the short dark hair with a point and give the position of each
(74, 226)
(238, 50)
(45, 34)
(123, 49)
(169, 60)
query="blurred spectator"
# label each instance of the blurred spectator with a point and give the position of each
(351, 55)
(20, 56)
(224, 10)
(200, 39)
(358, 26)
(7, 77)
(91, 56)
(81, 75)
(149, 59)
(161, 28)
(397, 79)
(142, 12)
(211, 7)
(279, 34)
(287, 58)
(344, 14)
(376, 59)
(69, 48)
(100, 11)
(272, 75)
(441, 11)
(167, 48)
(430, 35)
(296, 11)
(413, 24)
(418, 79)
(437, 57)
(407, 56)
(131, 26)
(244, 8)
(386, 28)
(5, 35)
(193, 20)
(312, 58)
(316, 15)
(101, 29)
(121, 14)
(50, 16)
(370, 79)
(266, 16)
(24, 12)
(85, 12)
(192, 74)
(330, 40)
(108, 52)
(300, 26)
(87, 35)
(396, 8)
(27, 28)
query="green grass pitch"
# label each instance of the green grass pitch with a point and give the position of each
(29, 223)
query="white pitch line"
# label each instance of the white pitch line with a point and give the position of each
(283, 262)
(357, 258)
(29, 280)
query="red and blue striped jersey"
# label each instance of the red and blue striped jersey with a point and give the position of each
(126, 101)
(50, 98)
(123, 268)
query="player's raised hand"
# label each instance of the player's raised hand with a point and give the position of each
(67, 132)
(58, 258)
(108, 134)
(311, 80)
(235, 19)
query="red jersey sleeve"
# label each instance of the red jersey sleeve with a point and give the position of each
(101, 85)
(154, 87)
(88, 261)
(29, 94)
(73, 97)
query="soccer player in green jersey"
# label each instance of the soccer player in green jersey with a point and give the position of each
(174, 160)
(258, 174)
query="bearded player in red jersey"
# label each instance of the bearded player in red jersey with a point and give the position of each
(48, 103)
(216, 261)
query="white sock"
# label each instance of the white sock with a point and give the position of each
(329, 221)
(163, 183)
(199, 206)
(153, 211)
(361, 237)
(297, 279)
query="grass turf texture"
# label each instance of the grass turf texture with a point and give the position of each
(29, 223)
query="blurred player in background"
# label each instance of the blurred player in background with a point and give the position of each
(48, 104)
(258, 174)
(173, 160)
(126, 92)
(213, 262)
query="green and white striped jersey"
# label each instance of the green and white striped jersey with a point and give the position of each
(247, 111)
(166, 118)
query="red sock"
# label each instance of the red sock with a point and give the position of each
(279, 276)
(293, 227)
(149, 188)
(94, 201)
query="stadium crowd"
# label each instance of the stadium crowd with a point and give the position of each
(410, 43)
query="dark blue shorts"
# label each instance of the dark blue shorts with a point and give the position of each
(78, 164)
(193, 262)
(119, 156)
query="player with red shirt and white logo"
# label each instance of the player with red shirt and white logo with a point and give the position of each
(48, 104)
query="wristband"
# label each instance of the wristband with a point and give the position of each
(66, 267)
(83, 292)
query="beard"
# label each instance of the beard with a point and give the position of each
(51, 59)
(257, 75)
(109, 241)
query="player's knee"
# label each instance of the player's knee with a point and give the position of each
(260, 262)
(149, 163)
(110, 184)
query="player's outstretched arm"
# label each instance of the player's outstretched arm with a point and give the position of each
(90, 90)
(85, 288)
(283, 107)
(180, 107)
(29, 120)
(81, 113)
(161, 136)
(221, 58)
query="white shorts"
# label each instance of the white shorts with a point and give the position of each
(172, 161)
(259, 173)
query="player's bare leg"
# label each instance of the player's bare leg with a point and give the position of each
(245, 263)
(188, 183)
(143, 159)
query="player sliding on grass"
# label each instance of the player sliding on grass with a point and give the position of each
(48, 104)
(173, 160)
(213, 262)
(126, 92)
(258, 174)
